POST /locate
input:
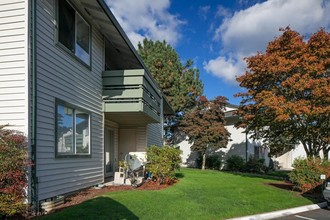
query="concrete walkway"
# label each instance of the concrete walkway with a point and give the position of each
(283, 213)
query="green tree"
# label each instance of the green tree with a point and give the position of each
(288, 93)
(205, 125)
(179, 82)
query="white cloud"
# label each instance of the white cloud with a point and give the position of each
(226, 68)
(203, 11)
(249, 30)
(147, 19)
(222, 12)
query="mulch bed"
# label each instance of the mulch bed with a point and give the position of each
(315, 196)
(90, 193)
(284, 185)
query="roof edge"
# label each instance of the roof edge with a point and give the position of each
(120, 30)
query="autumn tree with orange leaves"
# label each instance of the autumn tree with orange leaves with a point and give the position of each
(205, 125)
(288, 93)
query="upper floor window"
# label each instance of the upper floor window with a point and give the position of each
(74, 31)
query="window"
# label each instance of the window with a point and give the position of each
(257, 150)
(73, 31)
(72, 131)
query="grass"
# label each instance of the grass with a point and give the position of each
(280, 173)
(198, 195)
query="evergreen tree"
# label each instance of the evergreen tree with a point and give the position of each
(179, 82)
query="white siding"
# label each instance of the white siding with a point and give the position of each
(237, 143)
(186, 153)
(14, 86)
(155, 134)
(286, 160)
(126, 142)
(131, 140)
(60, 75)
(235, 146)
(141, 137)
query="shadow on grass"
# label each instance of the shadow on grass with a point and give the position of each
(179, 175)
(97, 208)
(314, 195)
(254, 175)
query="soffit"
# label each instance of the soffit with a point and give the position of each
(129, 119)
(122, 53)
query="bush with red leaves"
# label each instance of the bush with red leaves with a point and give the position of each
(306, 173)
(13, 172)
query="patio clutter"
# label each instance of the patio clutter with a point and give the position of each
(132, 170)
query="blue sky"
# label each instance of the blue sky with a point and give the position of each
(217, 35)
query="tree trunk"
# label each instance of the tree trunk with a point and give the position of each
(311, 150)
(203, 162)
(326, 153)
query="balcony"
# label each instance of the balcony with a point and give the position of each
(131, 97)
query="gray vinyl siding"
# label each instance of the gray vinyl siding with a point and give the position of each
(61, 76)
(127, 142)
(141, 139)
(13, 64)
(131, 140)
(155, 131)
(155, 134)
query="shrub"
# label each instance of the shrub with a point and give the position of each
(306, 173)
(274, 165)
(213, 162)
(235, 163)
(13, 163)
(283, 174)
(199, 161)
(162, 163)
(255, 166)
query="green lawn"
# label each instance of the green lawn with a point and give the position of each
(198, 195)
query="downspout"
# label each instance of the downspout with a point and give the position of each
(162, 119)
(34, 179)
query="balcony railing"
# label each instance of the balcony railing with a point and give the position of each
(131, 91)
